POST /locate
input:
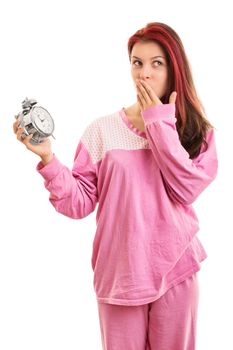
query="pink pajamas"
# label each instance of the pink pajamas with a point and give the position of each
(144, 184)
(145, 247)
(168, 323)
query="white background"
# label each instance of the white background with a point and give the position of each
(72, 57)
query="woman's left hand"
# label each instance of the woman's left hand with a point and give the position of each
(147, 97)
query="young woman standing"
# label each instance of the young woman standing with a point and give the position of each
(144, 165)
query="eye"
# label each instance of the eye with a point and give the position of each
(157, 63)
(136, 63)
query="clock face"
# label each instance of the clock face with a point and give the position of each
(42, 120)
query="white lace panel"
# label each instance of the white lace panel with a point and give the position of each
(110, 132)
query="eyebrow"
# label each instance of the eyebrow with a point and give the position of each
(151, 57)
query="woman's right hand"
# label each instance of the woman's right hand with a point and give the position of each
(43, 150)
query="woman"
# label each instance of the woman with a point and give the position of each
(144, 165)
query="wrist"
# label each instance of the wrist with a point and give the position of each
(46, 158)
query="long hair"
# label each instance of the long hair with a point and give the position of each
(191, 124)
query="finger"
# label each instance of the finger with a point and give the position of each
(147, 89)
(16, 126)
(153, 97)
(21, 135)
(27, 139)
(145, 97)
(140, 98)
(140, 102)
(145, 101)
(172, 98)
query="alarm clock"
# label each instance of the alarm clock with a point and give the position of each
(35, 120)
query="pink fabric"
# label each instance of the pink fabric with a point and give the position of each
(144, 184)
(168, 323)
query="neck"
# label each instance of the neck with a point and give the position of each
(135, 110)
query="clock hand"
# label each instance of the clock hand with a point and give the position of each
(41, 118)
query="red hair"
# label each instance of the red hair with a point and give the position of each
(191, 122)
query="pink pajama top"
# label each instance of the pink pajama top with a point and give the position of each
(144, 183)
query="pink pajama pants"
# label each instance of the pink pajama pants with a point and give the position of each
(168, 323)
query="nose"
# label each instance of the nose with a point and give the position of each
(145, 72)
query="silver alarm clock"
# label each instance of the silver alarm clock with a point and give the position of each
(35, 120)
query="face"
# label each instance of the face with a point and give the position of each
(148, 62)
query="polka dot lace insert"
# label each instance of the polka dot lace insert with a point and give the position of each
(108, 133)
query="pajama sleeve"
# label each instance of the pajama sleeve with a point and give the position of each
(73, 193)
(184, 178)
